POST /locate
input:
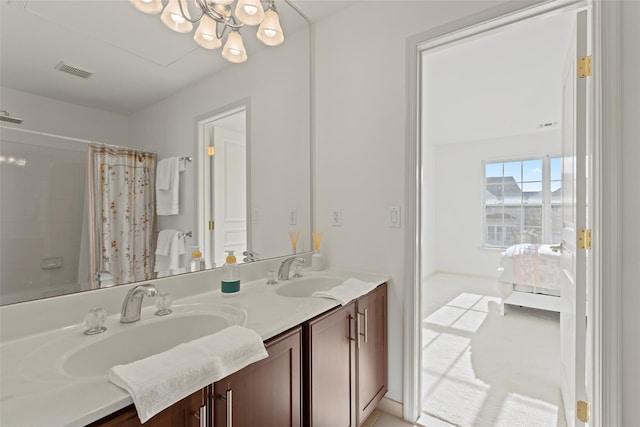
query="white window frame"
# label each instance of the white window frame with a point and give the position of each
(546, 197)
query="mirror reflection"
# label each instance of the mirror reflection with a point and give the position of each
(85, 176)
(225, 187)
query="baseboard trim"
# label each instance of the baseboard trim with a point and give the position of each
(391, 407)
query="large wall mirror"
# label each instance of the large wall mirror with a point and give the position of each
(164, 140)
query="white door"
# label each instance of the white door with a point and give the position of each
(573, 317)
(230, 194)
(222, 186)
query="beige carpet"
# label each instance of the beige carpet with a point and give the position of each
(482, 369)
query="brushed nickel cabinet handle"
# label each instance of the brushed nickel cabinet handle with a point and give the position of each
(366, 325)
(350, 318)
(365, 315)
(358, 333)
(201, 416)
(229, 408)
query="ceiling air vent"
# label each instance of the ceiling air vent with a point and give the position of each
(79, 72)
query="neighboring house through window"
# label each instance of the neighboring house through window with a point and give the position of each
(522, 202)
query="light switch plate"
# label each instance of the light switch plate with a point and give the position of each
(336, 217)
(293, 216)
(256, 216)
(394, 217)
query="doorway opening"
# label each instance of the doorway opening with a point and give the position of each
(223, 189)
(491, 226)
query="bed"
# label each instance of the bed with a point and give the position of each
(530, 275)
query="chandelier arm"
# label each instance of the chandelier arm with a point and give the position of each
(193, 21)
(235, 25)
(224, 28)
(210, 12)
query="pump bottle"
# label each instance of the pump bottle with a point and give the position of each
(230, 275)
(197, 262)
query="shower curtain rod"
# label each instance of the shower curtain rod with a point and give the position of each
(68, 138)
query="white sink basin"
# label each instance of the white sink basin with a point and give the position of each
(126, 343)
(303, 287)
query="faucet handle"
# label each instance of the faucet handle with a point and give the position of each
(297, 270)
(94, 321)
(163, 302)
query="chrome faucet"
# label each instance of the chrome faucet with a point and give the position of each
(250, 256)
(133, 302)
(285, 267)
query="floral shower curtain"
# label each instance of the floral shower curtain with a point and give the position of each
(122, 201)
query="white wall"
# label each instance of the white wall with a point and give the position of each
(630, 212)
(459, 203)
(360, 139)
(360, 153)
(42, 202)
(276, 81)
(62, 118)
(40, 216)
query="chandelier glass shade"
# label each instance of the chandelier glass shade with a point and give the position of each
(219, 20)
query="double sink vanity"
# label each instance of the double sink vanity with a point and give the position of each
(327, 363)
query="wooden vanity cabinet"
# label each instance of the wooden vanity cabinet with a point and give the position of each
(266, 393)
(185, 413)
(330, 363)
(346, 362)
(372, 353)
(342, 365)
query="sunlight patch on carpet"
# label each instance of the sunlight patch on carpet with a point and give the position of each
(519, 410)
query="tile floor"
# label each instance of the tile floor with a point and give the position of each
(382, 419)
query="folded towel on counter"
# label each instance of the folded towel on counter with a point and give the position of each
(168, 185)
(348, 290)
(170, 248)
(159, 381)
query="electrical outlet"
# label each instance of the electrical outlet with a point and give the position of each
(394, 217)
(336, 217)
(256, 216)
(293, 216)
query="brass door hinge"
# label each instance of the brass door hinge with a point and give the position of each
(584, 411)
(211, 150)
(584, 67)
(212, 225)
(584, 238)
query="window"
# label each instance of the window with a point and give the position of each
(522, 202)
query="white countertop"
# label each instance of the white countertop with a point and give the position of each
(35, 391)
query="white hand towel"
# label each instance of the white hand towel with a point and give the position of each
(163, 174)
(168, 196)
(170, 247)
(159, 381)
(348, 290)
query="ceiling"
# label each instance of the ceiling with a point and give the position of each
(499, 84)
(503, 83)
(135, 59)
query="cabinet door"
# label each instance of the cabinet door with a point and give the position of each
(185, 413)
(372, 350)
(266, 393)
(330, 369)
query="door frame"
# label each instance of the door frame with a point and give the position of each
(200, 122)
(606, 163)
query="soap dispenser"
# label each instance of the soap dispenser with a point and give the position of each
(230, 275)
(197, 262)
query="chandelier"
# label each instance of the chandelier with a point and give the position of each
(216, 20)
